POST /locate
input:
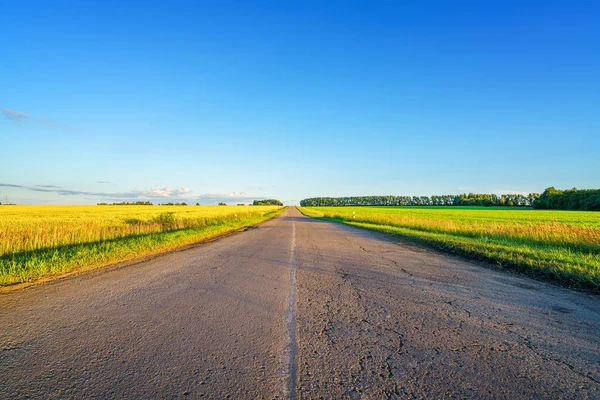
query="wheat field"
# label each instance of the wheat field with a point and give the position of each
(42, 241)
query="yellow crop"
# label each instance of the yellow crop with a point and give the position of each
(36, 241)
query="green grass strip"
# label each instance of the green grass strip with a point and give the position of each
(42, 264)
(571, 267)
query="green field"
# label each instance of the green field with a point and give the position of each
(39, 242)
(563, 246)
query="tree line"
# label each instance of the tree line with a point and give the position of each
(128, 203)
(572, 199)
(142, 203)
(268, 202)
(470, 199)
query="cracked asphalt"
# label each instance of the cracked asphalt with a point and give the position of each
(374, 318)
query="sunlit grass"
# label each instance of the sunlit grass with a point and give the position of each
(561, 245)
(43, 241)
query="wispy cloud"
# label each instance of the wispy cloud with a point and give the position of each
(178, 194)
(166, 192)
(49, 123)
(20, 117)
(69, 192)
(14, 115)
(107, 183)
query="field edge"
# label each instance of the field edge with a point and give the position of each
(141, 257)
(457, 251)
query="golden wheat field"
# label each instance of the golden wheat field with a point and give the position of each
(37, 241)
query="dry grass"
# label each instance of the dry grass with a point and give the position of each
(562, 245)
(38, 241)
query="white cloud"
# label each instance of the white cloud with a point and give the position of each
(166, 192)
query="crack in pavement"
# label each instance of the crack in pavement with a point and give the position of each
(448, 330)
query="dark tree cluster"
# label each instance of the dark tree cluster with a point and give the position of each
(471, 199)
(128, 203)
(572, 199)
(268, 202)
(173, 204)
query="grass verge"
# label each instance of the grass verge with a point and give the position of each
(48, 263)
(575, 264)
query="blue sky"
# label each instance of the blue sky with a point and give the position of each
(220, 100)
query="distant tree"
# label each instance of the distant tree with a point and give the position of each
(129, 203)
(222, 204)
(571, 199)
(268, 202)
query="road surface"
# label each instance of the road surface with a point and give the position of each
(300, 308)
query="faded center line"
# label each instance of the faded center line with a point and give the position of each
(289, 390)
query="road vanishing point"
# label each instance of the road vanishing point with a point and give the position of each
(298, 308)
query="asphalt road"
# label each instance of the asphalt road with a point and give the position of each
(300, 308)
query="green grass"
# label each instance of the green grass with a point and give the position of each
(563, 246)
(43, 242)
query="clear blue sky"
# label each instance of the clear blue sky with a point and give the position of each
(235, 100)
